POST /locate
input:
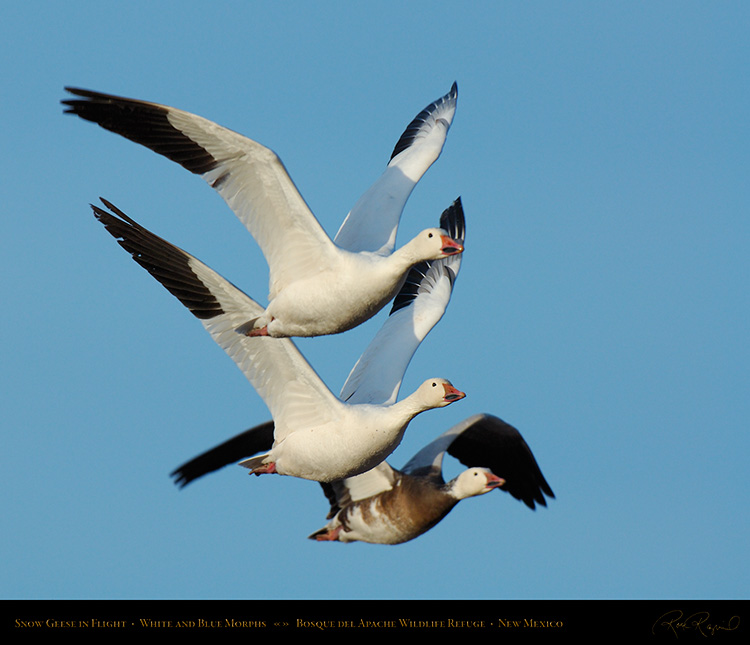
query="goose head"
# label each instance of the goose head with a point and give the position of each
(474, 481)
(438, 392)
(435, 243)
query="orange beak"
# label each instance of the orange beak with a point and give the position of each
(452, 394)
(450, 246)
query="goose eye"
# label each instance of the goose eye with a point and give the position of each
(429, 234)
(434, 384)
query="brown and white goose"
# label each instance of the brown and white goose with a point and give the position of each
(316, 435)
(389, 506)
(317, 286)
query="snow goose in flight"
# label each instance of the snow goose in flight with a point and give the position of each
(316, 435)
(385, 505)
(377, 375)
(316, 286)
(389, 506)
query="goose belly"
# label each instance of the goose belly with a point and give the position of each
(328, 303)
(326, 456)
(364, 525)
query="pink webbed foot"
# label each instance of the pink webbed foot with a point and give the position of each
(265, 469)
(329, 536)
(263, 331)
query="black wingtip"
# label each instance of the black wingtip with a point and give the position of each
(167, 263)
(114, 210)
(76, 90)
(144, 123)
(66, 102)
(180, 479)
(257, 439)
(453, 220)
(409, 135)
(492, 443)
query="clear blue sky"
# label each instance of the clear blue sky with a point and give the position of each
(601, 152)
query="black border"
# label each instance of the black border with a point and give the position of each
(507, 620)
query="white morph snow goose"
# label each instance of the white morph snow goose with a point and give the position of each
(316, 436)
(316, 286)
(377, 375)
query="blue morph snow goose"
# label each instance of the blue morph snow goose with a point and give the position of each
(316, 435)
(389, 506)
(317, 286)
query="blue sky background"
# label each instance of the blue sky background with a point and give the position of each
(601, 152)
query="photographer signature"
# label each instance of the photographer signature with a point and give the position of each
(676, 622)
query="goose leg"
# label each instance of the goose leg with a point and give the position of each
(329, 536)
(264, 469)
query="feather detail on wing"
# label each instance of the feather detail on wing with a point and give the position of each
(377, 375)
(372, 223)
(249, 176)
(274, 366)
